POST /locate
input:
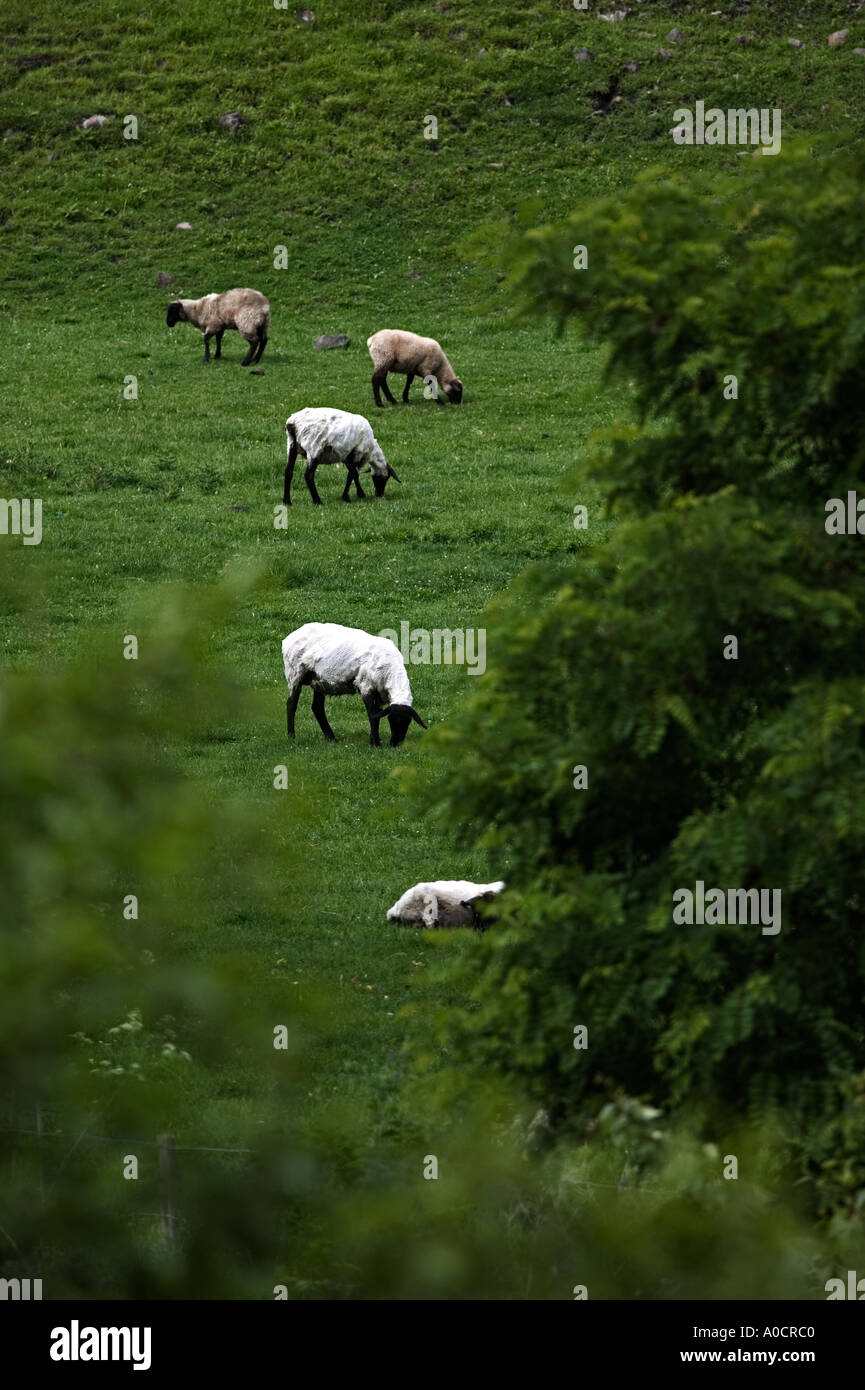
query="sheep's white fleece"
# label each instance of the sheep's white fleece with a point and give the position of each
(341, 660)
(394, 350)
(246, 310)
(329, 436)
(444, 902)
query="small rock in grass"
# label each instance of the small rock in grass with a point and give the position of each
(583, 55)
(94, 122)
(305, 16)
(332, 340)
(414, 274)
(675, 36)
(664, 53)
(163, 278)
(744, 38)
(839, 37)
(482, 53)
(232, 120)
(614, 16)
(860, 51)
(633, 67)
(795, 43)
(183, 227)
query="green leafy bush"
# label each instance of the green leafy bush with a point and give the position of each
(740, 773)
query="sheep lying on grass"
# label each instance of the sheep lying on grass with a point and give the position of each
(246, 310)
(337, 660)
(392, 350)
(444, 903)
(321, 434)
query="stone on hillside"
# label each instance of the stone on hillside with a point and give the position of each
(183, 227)
(232, 120)
(839, 37)
(584, 55)
(163, 278)
(332, 340)
(675, 36)
(94, 122)
(795, 43)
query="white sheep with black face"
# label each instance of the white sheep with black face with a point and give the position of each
(394, 350)
(337, 660)
(246, 310)
(322, 434)
(446, 902)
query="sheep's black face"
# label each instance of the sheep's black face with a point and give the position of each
(455, 392)
(399, 718)
(380, 479)
(174, 314)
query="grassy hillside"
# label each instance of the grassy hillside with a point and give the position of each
(181, 482)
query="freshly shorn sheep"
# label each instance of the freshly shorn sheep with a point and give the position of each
(337, 660)
(321, 434)
(392, 350)
(246, 310)
(445, 903)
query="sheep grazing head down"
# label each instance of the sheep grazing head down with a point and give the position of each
(174, 314)
(379, 480)
(454, 391)
(399, 717)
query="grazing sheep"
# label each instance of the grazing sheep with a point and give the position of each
(246, 310)
(445, 903)
(321, 434)
(337, 660)
(392, 350)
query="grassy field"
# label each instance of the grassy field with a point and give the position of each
(180, 483)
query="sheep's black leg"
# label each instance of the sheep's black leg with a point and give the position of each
(386, 388)
(372, 704)
(248, 358)
(318, 711)
(408, 381)
(290, 708)
(289, 474)
(219, 342)
(352, 478)
(207, 347)
(262, 344)
(309, 476)
(376, 386)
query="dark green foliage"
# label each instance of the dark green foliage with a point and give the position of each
(111, 1029)
(740, 773)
